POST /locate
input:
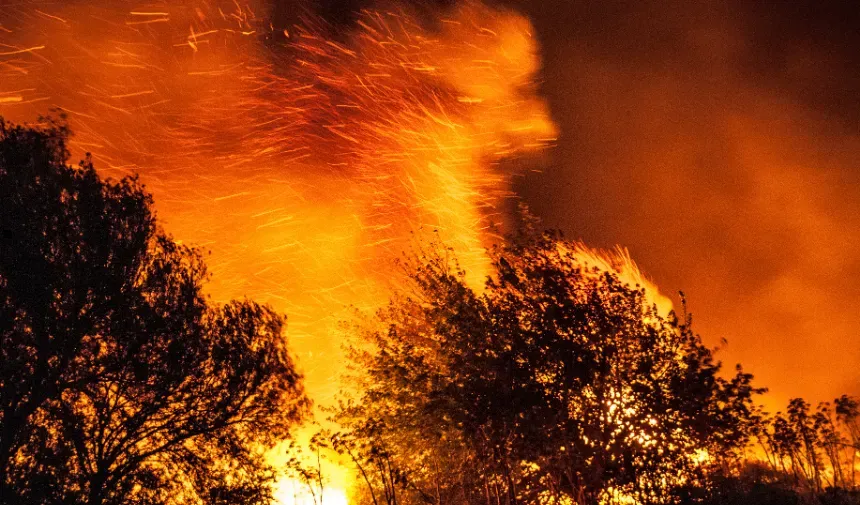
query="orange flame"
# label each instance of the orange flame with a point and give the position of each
(304, 165)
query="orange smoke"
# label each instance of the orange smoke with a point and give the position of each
(305, 162)
(305, 165)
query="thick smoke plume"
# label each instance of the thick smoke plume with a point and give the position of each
(718, 141)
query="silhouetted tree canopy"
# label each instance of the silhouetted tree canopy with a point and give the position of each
(814, 451)
(120, 382)
(556, 382)
(805, 456)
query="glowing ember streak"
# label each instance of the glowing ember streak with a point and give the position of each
(21, 51)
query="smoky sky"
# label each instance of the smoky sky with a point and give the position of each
(342, 13)
(719, 142)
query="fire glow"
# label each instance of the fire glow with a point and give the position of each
(305, 158)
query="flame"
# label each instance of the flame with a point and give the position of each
(619, 262)
(294, 492)
(304, 165)
(305, 158)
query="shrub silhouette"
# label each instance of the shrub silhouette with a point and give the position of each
(556, 383)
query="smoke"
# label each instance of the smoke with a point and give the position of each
(718, 142)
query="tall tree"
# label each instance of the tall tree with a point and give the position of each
(119, 381)
(557, 381)
(815, 450)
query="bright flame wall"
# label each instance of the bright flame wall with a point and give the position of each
(307, 158)
(303, 161)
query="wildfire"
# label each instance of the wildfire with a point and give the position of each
(306, 158)
(620, 263)
(296, 493)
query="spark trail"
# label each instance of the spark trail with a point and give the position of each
(305, 157)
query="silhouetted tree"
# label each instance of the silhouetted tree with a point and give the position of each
(556, 382)
(809, 459)
(119, 382)
(815, 450)
(848, 416)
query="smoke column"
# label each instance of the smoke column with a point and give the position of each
(718, 141)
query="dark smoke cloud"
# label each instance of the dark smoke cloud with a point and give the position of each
(342, 13)
(719, 142)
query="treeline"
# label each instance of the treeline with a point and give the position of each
(556, 383)
(800, 456)
(814, 451)
(120, 383)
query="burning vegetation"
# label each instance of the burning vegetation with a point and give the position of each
(304, 157)
(485, 367)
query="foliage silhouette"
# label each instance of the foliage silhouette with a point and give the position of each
(813, 452)
(557, 382)
(119, 382)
